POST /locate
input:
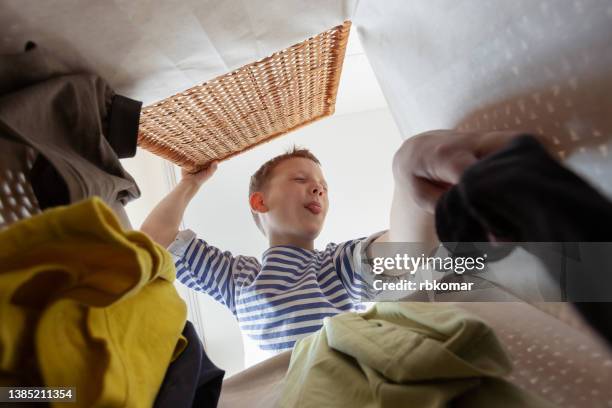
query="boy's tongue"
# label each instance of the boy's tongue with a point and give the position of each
(313, 208)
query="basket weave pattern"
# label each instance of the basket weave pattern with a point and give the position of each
(251, 105)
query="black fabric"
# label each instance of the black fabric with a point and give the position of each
(74, 121)
(48, 185)
(192, 380)
(522, 194)
(123, 127)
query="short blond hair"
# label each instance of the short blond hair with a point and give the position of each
(262, 175)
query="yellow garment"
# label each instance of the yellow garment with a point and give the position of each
(424, 355)
(85, 304)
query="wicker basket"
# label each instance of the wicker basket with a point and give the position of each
(251, 105)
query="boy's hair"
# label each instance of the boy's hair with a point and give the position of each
(262, 175)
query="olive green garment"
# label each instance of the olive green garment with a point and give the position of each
(402, 355)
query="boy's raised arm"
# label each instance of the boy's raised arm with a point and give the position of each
(163, 222)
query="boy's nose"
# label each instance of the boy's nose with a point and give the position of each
(317, 190)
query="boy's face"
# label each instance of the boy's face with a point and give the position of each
(296, 199)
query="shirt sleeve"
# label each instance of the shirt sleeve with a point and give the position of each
(350, 261)
(205, 268)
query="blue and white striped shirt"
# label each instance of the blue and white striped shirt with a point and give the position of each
(283, 298)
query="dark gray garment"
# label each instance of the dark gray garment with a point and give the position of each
(73, 121)
(192, 380)
(525, 196)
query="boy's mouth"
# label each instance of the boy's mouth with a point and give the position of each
(313, 207)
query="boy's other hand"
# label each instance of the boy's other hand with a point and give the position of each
(200, 177)
(429, 163)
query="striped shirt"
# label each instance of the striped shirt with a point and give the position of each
(284, 297)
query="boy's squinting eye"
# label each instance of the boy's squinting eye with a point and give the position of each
(299, 179)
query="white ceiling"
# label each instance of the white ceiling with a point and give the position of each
(359, 90)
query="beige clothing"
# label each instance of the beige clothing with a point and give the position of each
(397, 354)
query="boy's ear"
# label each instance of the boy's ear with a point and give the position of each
(256, 201)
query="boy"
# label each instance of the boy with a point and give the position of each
(287, 295)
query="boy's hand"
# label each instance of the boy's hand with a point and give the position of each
(199, 178)
(428, 164)
(163, 222)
